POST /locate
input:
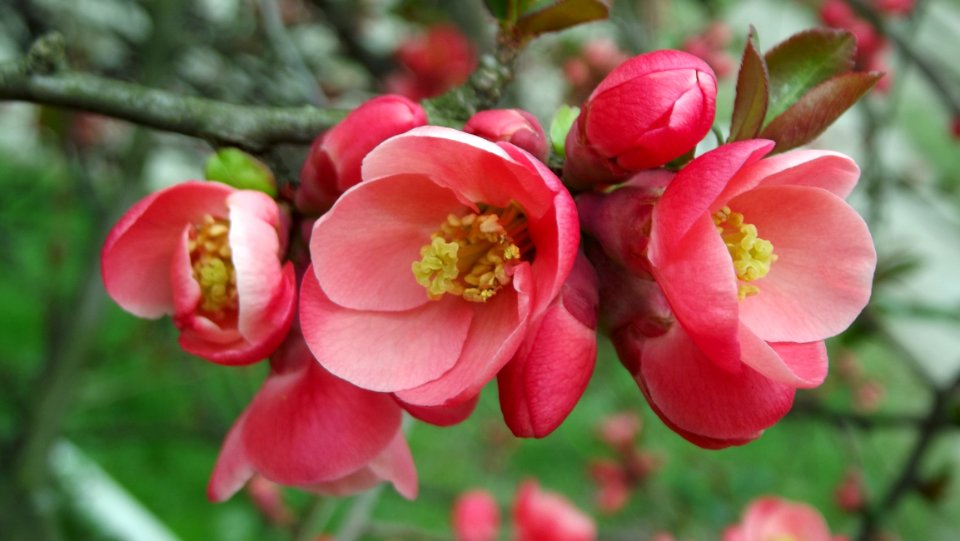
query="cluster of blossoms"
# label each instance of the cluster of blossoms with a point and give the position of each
(415, 264)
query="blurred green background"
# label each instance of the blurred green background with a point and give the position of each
(133, 425)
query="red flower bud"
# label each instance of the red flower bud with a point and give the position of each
(650, 110)
(333, 164)
(513, 126)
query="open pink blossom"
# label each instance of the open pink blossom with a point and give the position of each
(721, 310)
(476, 517)
(309, 429)
(540, 515)
(772, 519)
(436, 271)
(209, 255)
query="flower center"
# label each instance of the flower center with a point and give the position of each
(212, 264)
(752, 255)
(472, 255)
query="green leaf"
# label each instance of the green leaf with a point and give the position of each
(499, 8)
(560, 126)
(561, 14)
(750, 105)
(805, 60)
(236, 168)
(818, 109)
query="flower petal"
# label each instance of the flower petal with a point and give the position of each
(447, 414)
(830, 171)
(306, 426)
(498, 329)
(135, 261)
(695, 395)
(233, 468)
(797, 365)
(545, 379)
(384, 351)
(823, 274)
(362, 249)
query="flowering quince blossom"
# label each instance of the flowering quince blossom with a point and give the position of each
(775, 519)
(538, 515)
(209, 255)
(720, 299)
(450, 260)
(652, 109)
(333, 163)
(309, 429)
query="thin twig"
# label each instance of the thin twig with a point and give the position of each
(287, 51)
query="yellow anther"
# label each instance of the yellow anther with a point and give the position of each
(210, 257)
(752, 255)
(470, 255)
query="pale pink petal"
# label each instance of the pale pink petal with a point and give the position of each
(692, 192)
(384, 351)
(363, 248)
(395, 464)
(547, 376)
(202, 337)
(798, 365)
(184, 287)
(770, 517)
(824, 169)
(498, 329)
(233, 468)
(306, 426)
(478, 170)
(700, 398)
(447, 414)
(699, 281)
(135, 260)
(823, 274)
(255, 247)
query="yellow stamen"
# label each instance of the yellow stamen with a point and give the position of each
(752, 255)
(212, 263)
(470, 256)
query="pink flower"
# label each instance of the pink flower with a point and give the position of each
(209, 255)
(513, 126)
(711, 45)
(650, 110)
(447, 262)
(333, 164)
(771, 518)
(309, 429)
(436, 61)
(540, 515)
(749, 265)
(476, 517)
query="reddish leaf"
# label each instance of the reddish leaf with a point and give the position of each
(750, 105)
(805, 60)
(818, 109)
(562, 14)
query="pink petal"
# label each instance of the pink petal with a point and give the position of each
(830, 171)
(255, 245)
(771, 517)
(233, 468)
(698, 279)
(497, 330)
(692, 192)
(200, 338)
(797, 365)
(702, 399)
(541, 515)
(362, 249)
(476, 517)
(395, 464)
(183, 286)
(135, 261)
(823, 274)
(447, 414)
(546, 378)
(477, 170)
(306, 426)
(384, 351)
